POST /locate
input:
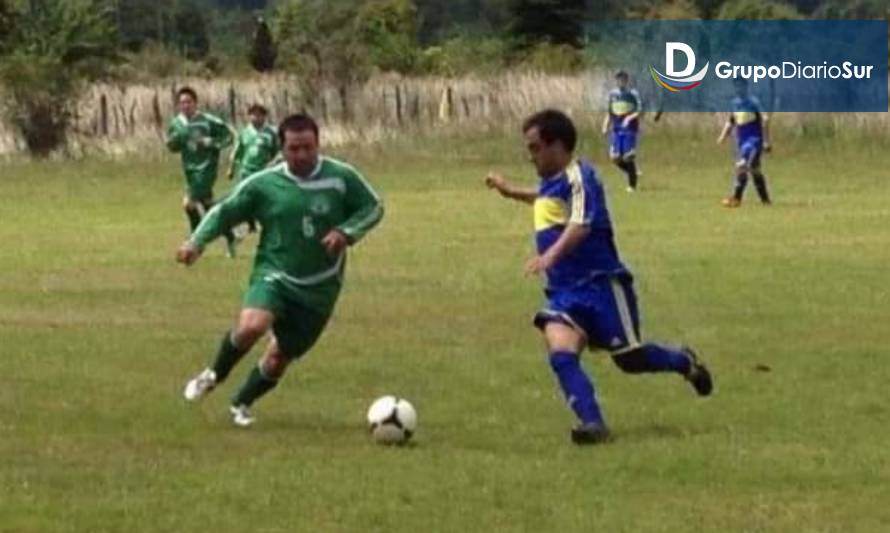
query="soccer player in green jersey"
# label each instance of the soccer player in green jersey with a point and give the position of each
(255, 148)
(199, 137)
(256, 145)
(310, 209)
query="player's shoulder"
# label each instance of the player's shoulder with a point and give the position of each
(263, 177)
(635, 93)
(332, 166)
(587, 170)
(210, 117)
(614, 92)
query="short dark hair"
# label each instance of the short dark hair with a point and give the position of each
(622, 74)
(553, 125)
(257, 108)
(187, 90)
(297, 122)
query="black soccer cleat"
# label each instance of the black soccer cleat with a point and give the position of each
(590, 433)
(698, 374)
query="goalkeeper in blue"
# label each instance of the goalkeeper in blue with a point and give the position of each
(590, 296)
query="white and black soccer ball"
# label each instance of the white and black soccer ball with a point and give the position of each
(391, 420)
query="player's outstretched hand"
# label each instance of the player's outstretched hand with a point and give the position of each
(335, 242)
(767, 147)
(187, 254)
(496, 181)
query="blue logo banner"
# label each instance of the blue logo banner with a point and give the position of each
(789, 65)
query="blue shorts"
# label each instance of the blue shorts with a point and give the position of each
(748, 153)
(605, 312)
(623, 143)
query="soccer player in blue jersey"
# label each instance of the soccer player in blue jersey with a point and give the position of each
(622, 124)
(751, 127)
(590, 295)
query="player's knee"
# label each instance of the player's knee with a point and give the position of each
(274, 364)
(251, 328)
(632, 362)
(617, 159)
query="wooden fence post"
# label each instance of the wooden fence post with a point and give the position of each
(232, 103)
(103, 115)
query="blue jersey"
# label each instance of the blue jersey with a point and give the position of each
(747, 116)
(623, 102)
(576, 196)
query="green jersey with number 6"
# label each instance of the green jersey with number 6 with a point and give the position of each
(295, 214)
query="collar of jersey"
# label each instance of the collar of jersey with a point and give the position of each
(186, 119)
(561, 173)
(298, 179)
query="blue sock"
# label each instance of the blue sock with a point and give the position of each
(576, 386)
(660, 358)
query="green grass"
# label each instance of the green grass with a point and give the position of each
(99, 330)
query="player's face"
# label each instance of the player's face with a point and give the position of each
(187, 105)
(300, 151)
(547, 158)
(621, 81)
(257, 119)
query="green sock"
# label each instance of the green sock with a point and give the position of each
(227, 357)
(256, 385)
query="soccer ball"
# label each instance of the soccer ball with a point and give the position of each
(391, 420)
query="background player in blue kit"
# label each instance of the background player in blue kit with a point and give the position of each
(751, 126)
(622, 124)
(590, 295)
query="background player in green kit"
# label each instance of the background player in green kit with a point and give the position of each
(310, 208)
(255, 147)
(199, 137)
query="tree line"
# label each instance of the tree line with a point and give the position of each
(49, 49)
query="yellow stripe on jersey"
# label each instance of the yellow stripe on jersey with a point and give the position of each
(744, 117)
(622, 107)
(549, 212)
(576, 215)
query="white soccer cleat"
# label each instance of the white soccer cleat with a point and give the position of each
(241, 416)
(200, 385)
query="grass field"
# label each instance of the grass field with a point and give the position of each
(99, 330)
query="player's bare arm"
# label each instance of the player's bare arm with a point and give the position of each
(628, 120)
(725, 132)
(767, 144)
(508, 190)
(573, 235)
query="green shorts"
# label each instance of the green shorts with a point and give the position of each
(199, 187)
(297, 326)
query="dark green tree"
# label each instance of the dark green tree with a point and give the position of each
(190, 29)
(50, 54)
(552, 21)
(262, 51)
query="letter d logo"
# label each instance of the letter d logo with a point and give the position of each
(678, 80)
